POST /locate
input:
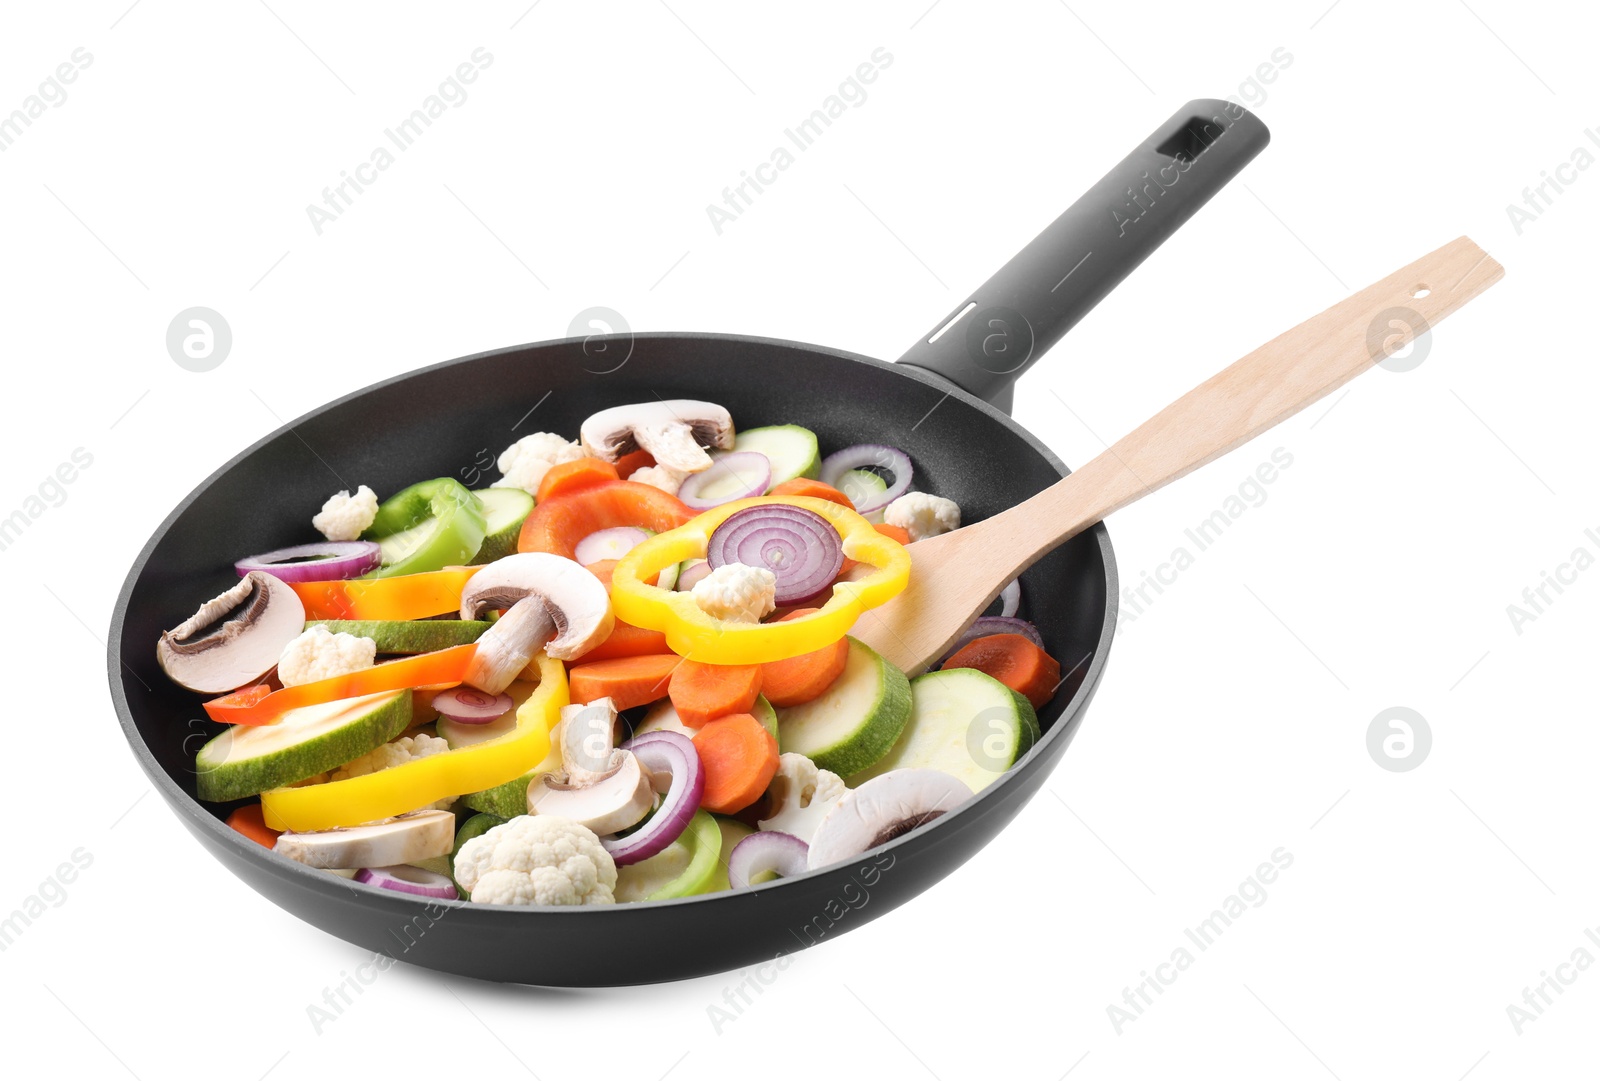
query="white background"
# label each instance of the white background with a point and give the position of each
(1233, 717)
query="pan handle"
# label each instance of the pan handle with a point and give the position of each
(1012, 319)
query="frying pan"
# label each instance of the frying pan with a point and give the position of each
(394, 432)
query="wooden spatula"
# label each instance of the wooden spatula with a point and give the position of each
(956, 576)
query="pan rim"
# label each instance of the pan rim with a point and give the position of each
(196, 815)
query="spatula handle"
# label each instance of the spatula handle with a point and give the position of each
(1253, 394)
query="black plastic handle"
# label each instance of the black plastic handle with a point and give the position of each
(1017, 315)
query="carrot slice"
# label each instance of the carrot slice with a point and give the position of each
(602, 568)
(249, 821)
(739, 757)
(800, 679)
(703, 692)
(628, 464)
(1014, 661)
(574, 476)
(813, 488)
(627, 681)
(626, 640)
(557, 524)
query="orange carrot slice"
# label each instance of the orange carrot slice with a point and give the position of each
(249, 821)
(627, 681)
(574, 476)
(739, 757)
(703, 692)
(602, 568)
(800, 679)
(1014, 661)
(893, 532)
(626, 640)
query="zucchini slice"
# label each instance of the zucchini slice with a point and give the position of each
(854, 722)
(964, 723)
(504, 510)
(791, 449)
(247, 760)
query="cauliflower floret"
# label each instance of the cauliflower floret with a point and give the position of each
(737, 592)
(344, 517)
(526, 461)
(802, 794)
(320, 654)
(537, 860)
(403, 750)
(923, 515)
(666, 478)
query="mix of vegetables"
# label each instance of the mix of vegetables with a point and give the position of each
(622, 673)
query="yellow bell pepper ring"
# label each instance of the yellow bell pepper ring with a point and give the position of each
(693, 633)
(417, 783)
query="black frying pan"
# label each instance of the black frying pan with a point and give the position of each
(395, 432)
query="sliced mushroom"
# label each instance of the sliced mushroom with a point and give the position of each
(550, 603)
(675, 433)
(588, 740)
(406, 839)
(882, 809)
(235, 638)
(507, 647)
(599, 785)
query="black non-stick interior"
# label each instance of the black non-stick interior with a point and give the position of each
(440, 421)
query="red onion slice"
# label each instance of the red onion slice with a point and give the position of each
(740, 475)
(876, 457)
(688, 576)
(323, 562)
(769, 850)
(988, 625)
(611, 543)
(662, 753)
(800, 547)
(407, 879)
(467, 705)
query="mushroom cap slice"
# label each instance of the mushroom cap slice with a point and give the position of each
(577, 603)
(235, 638)
(612, 800)
(674, 432)
(882, 809)
(418, 836)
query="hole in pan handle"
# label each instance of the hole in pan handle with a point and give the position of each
(992, 336)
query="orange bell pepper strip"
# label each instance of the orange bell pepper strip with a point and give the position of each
(422, 781)
(557, 524)
(446, 667)
(405, 596)
(574, 476)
